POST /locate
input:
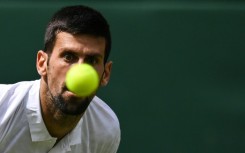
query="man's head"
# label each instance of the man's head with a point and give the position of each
(76, 34)
(77, 20)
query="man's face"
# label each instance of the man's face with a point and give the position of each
(70, 49)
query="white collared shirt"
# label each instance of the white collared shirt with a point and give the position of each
(22, 128)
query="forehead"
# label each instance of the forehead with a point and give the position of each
(79, 43)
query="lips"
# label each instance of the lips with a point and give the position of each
(65, 88)
(69, 93)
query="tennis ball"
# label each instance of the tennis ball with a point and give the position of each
(82, 79)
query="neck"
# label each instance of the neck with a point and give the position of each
(58, 124)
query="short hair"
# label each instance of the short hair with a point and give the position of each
(77, 19)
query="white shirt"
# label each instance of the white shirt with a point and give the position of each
(22, 129)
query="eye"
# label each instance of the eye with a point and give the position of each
(93, 60)
(69, 57)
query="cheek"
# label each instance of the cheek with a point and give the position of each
(58, 70)
(100, 70)
(56, 78)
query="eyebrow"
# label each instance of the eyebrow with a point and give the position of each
(86, 53)
(93, 54)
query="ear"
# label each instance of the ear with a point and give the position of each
(107, 73)
(41, 62)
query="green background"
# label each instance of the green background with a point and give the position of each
(177, 84)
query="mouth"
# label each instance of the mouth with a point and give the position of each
(67, 91)
(70, 93)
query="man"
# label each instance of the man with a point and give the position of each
(43, 115)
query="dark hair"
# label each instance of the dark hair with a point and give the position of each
(77, 20)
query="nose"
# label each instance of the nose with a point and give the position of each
(80, 61)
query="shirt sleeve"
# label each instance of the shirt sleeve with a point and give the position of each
(115, 144)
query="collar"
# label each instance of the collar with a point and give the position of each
(38, 129)
(73, 138)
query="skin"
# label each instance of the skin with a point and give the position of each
(62, 109)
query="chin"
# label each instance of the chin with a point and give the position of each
(70, 104)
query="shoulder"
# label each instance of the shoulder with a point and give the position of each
(17, 86)
(13, 99)
(102, 111)
(10, 93)
(104, 108)
(102, 124)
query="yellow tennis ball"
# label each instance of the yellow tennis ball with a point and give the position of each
(82, 79)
